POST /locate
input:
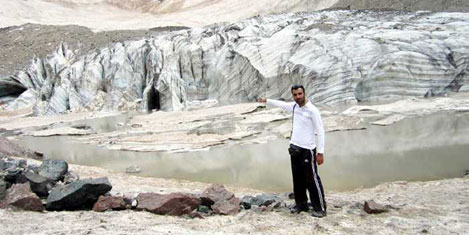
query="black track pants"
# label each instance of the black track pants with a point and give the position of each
(305, 177)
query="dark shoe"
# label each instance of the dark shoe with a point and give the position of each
(319, 214)
(298, 209)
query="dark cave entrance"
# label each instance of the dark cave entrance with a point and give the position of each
(153, 99)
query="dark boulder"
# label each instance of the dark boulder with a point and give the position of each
(53, 169)
(105, 203)
(167, 204)
(19, 196)
(248, 201)
(81, 194)
(15, 176)
(40, 185)
(371, 207)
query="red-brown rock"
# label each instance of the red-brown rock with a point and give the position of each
(226, 207)
(371, 207)
(167, 204)
(220, 200)
(215, 193)
(19, 196)
(105, 203)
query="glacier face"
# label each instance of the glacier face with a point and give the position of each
(340, 57)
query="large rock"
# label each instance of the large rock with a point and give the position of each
(40, 185)
(353, 56)
(220, 200)
(20, 196)
(226, 207)
(81, 194)
(53, 169)
(105, 203)
(169, 204)
(215, 193)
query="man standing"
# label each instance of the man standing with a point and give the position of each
(305, 153)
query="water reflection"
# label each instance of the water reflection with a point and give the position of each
(425, 148)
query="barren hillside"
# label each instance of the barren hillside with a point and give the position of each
(100, 15)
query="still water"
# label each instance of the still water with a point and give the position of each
(422, 148)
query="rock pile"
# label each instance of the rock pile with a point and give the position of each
(51, 186)
(22, 186)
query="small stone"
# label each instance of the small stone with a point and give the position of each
(372, 207)
(203, 209)
(105, 203)
(133, 169)
(134, 204)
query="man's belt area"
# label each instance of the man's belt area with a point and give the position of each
(295, 150)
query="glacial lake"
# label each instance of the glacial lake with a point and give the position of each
(414, 149)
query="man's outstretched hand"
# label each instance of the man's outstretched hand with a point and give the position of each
(320, 158)
(262, 100)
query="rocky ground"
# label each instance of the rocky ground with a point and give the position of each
(434, 207)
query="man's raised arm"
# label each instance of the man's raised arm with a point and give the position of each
(277, 103)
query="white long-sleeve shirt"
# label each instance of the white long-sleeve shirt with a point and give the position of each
(307, 123)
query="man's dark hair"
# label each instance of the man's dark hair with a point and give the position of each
(294, 87)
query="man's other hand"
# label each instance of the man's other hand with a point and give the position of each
(262, 100)
(320, 158)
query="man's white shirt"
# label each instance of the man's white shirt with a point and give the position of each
(307, 123)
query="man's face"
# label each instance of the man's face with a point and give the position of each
(298, 96)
